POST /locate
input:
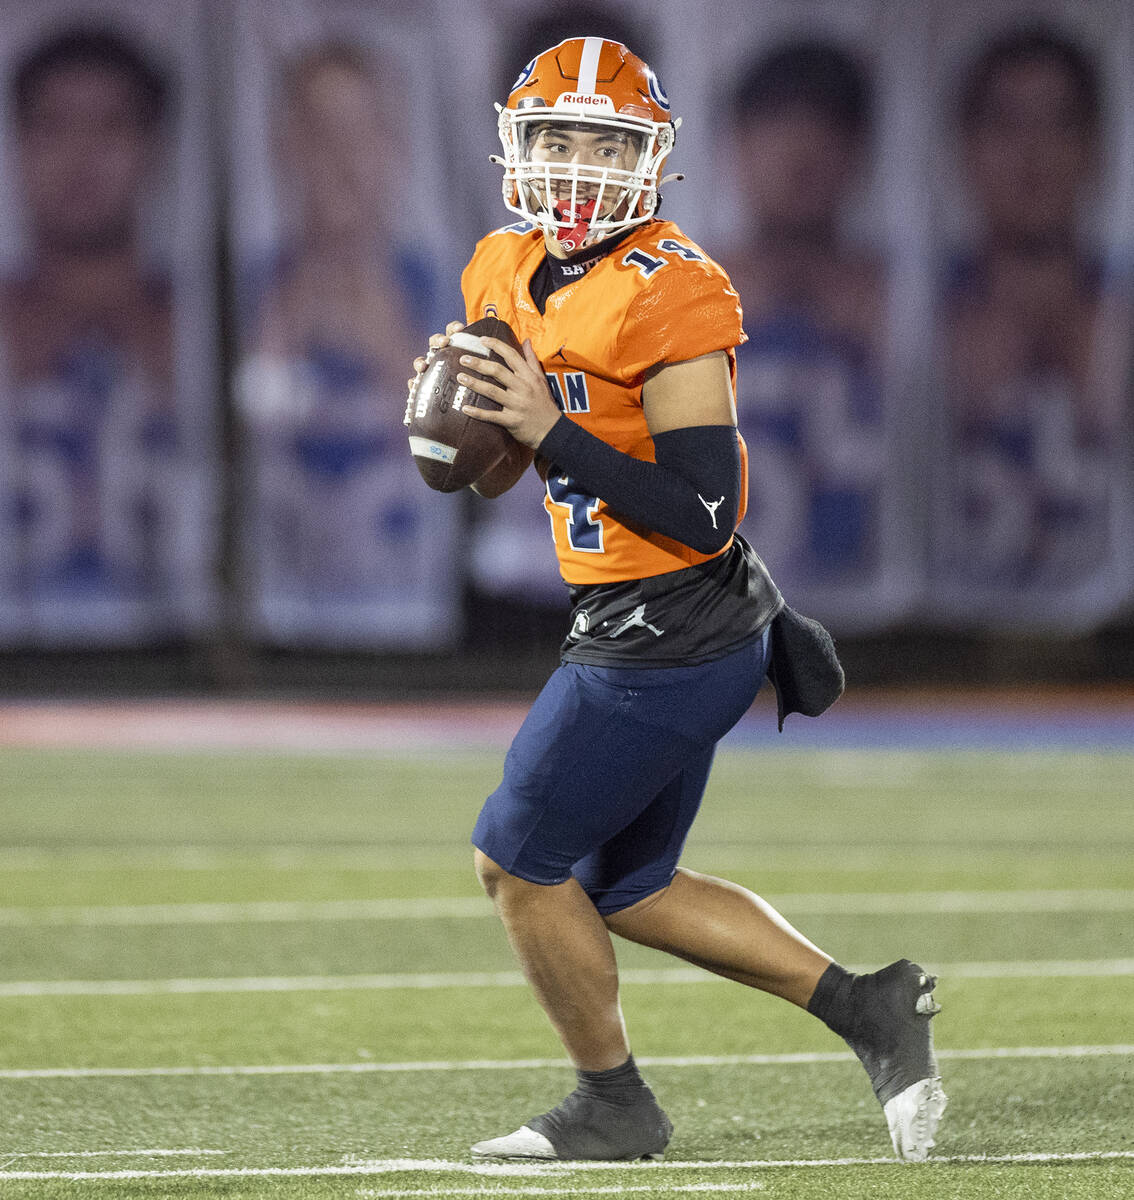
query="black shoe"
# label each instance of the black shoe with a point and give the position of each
(893, 1040)
(585, 1127)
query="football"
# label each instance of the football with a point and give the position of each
(452, 449)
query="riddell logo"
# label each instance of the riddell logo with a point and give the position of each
(586, 100)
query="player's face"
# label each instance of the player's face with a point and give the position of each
(588, 147)
(84, 154)
(1029, 153)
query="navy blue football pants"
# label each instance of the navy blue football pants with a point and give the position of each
(607, 772)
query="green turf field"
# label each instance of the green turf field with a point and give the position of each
(270, 976)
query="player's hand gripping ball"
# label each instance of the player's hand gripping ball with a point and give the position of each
(452, 449)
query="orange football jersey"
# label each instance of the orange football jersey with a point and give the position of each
(655, 298)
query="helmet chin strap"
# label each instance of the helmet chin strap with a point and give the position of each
(580, 217)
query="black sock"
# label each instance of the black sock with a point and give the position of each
(832, 1001)
(619, 1085)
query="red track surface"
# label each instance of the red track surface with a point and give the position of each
(468, 723)
(257, 725)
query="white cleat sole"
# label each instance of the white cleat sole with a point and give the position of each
(525, 1143)
(913, 1117)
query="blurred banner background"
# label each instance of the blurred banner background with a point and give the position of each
(109, 457)
(227, 226)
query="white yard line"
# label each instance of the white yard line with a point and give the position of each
(620, 1189)
(259, 983)
(525, 1064)
(453, 855)
(251, 912)
(393, 1166)
(975, 901)
(432, 907)
(10, 989)
(194, 1152)
(277, 856)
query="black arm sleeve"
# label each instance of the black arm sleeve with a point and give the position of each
(691, 494)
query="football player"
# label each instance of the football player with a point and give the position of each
(624, 397)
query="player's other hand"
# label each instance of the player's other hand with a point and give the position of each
(518, 385)
(436, 341)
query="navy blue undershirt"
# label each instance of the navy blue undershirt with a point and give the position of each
(555, 273)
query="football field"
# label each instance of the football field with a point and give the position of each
(244, 955)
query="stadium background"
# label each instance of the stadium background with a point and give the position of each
(285, 543)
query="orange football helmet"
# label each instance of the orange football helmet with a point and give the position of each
(590, 85)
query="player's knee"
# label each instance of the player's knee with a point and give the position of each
(492, 876)
(503, 888)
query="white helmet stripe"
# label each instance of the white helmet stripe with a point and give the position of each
(588, 65)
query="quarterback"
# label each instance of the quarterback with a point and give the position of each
(623, 400)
